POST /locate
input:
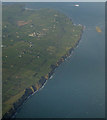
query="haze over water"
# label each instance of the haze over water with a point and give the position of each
(77, 89)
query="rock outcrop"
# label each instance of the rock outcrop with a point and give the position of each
(19, 102)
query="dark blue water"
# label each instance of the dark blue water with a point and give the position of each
(77, 90)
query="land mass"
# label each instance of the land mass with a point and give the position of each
(35, 43)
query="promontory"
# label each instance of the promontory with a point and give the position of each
(35, 43)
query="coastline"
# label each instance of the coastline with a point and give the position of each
(43, 80)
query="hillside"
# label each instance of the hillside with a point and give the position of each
(33, 42)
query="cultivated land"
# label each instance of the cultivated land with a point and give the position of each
(33, 40)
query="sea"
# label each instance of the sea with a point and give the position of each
(77, 88)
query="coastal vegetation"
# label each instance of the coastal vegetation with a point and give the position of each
(35, 42)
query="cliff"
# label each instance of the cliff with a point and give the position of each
(32, 50)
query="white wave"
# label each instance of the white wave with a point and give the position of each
(51, 77)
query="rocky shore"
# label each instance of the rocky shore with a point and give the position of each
(29, 91)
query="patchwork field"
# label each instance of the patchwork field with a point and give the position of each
(33, 40)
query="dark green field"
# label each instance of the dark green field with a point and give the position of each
(32, 41)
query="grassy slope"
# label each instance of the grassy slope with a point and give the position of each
(20, 61)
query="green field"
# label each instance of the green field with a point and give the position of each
(32, 41)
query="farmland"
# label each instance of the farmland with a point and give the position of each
(33, 40)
